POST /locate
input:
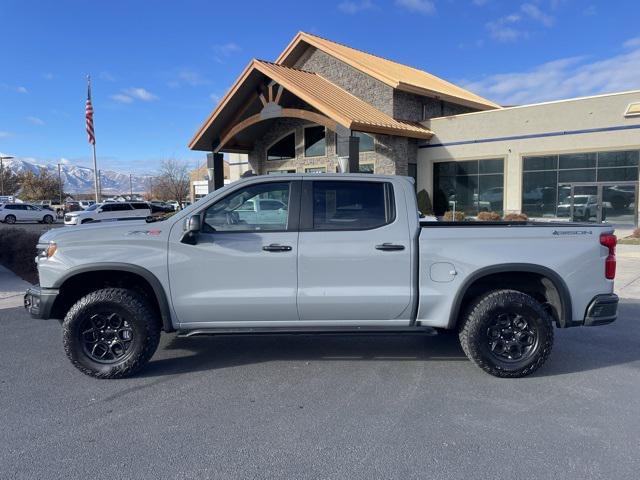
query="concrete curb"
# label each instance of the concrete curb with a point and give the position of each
(12, 289)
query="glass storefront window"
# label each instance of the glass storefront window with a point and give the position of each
(545, 178)
(475, 186)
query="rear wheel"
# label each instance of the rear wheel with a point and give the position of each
(507, 333)
(110, 333)
(48, 219)
(11, 219)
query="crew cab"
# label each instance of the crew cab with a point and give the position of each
(348, 255)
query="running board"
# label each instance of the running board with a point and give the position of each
(416, 330)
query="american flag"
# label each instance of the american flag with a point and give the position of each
(88, 113)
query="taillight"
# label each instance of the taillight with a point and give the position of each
(609, 240)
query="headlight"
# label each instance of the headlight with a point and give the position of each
(47, 250)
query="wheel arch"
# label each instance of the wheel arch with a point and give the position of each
(101, 273)
(555, 289)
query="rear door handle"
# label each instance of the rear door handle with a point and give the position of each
(389, 247)
(275, 247)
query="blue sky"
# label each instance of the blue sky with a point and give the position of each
(159, 67)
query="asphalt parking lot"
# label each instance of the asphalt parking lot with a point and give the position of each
(323, 407)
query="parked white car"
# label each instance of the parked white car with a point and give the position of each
(84, 204)
(108, 211)
(23, 212)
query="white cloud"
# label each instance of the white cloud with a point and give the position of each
(121, 98)
(140, 94)
(22, 89)
(533, 12)
(353, 7)
(106, 76)
(215, 97)
(187, 77)
(35, 120)
(632, 43)
(564, 78)
(48, 76)
(425, 7)
(504, 29)
(510, 27)
(5, 134)
(225, 50)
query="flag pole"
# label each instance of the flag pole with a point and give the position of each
(95, 161)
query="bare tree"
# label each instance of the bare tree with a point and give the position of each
(172, 183)
(43, 186)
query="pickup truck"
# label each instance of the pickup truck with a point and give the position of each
(351, 255)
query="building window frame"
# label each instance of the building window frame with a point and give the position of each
(304, 140)
(282, 137)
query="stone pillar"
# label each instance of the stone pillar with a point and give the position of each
(348, 149)
(215, 171)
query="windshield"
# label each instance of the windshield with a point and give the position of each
(578, 200)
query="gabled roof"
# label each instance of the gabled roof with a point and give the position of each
(338, 104)
(329, 99)
(391, 73)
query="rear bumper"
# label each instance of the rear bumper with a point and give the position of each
(603, 309)
(39, 301)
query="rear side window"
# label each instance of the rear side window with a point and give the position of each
(120, 207)
(352, 205)
(140, 206)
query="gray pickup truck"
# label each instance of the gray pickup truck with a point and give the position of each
(324, 254)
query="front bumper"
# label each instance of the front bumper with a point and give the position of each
(603, 309)
(39, 301)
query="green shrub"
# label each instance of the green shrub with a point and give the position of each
(489, 217)
(18, 252)
(424, 203)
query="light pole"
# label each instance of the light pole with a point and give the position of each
(2, 159)
(60, 184)
(130, 186)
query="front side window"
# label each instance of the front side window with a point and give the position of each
(352, 205)
(315, 144)
(283, 149)
(263, 207)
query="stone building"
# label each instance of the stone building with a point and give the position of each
(321, 101)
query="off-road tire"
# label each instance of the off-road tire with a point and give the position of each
(10, 219)
(139, 316)
(474, 332)
(48, 219)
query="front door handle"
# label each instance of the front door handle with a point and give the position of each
(275, 247)
(389, 247)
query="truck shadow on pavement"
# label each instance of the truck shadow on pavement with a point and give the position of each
(575, 350)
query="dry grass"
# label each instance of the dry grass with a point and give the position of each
(515, 217)
(448, 216)
(489, 217)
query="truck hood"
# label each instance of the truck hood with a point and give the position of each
(104, 232)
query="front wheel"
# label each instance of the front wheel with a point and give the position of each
(10, 219)
(48, 219)
(507, 333)
(110, 333)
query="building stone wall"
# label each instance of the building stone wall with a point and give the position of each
(363, 86)
(417, 108)
(383, 157)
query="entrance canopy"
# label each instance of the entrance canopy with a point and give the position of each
(266, 91)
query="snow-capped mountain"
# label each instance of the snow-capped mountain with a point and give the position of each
(78, 179)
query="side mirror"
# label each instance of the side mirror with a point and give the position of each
(191, 229)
